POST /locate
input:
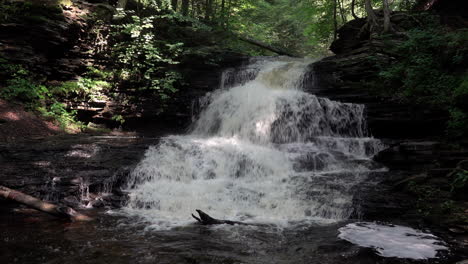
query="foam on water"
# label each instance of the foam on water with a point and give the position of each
(261, 150)
(393, 240)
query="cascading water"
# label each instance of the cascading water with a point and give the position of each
(262, 150)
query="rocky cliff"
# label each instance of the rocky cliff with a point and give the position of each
(350, 75)
(421, 186)
(58, 43)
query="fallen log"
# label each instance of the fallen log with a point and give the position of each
(267, 46)
(205, 219)
(55, 210)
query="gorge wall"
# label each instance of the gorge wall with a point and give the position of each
(58, 44)
(423, 163)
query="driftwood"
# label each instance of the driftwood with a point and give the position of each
(266, 46)
(205, 219)
(28, 200)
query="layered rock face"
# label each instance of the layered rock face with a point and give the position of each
(200, 76)
(46, 38)
(56, 43)
(75, 170)
(419, 188)
(349, 75)
(59, 42)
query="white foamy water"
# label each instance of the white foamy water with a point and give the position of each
(393, 240)
(262, 150)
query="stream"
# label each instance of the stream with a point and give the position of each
(261, 151)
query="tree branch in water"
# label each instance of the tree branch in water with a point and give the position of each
(55, 210)
(205, 219)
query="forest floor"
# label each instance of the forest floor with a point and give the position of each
(18, 124)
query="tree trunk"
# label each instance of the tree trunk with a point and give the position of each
(64, 212)
(174, 4)
(228, 17)
(371, 17)
(192, 11)
(185, 7)
(335, 23)
(342, 12)
(353, 5)
(223, 15)
(387, 27)
(266, 46)
(208, 9)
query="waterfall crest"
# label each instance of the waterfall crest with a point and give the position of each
(262, 150)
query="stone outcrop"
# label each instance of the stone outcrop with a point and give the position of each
(145, 114)
(349, 76)
(75, 170)
(56, 43)
(418, 189)
(47, 38)
(342, 77)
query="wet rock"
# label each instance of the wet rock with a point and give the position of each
(45, 169)
(71, 201)
(350, 37)
(433, 156)
(349, 75)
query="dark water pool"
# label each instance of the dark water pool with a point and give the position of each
(27, 236)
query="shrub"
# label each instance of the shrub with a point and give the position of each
(21, 85)
(143, 59)
(429, 73)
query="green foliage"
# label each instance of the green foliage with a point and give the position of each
(426, 196)
(65, 118)
(304, 27)
(318, 16)
(23, 89)
(278, 23)
(29, 11)
(21, 85)
(119, 119)
(92, 85)
(145, 60)
(436, 205)
(426, 74)
(458, 124)
(460, 180)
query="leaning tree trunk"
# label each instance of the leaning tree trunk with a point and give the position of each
(266, 46)
(59, 211)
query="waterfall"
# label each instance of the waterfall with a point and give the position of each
(261, 150)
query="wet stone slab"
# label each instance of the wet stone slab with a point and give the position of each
(75, 170)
